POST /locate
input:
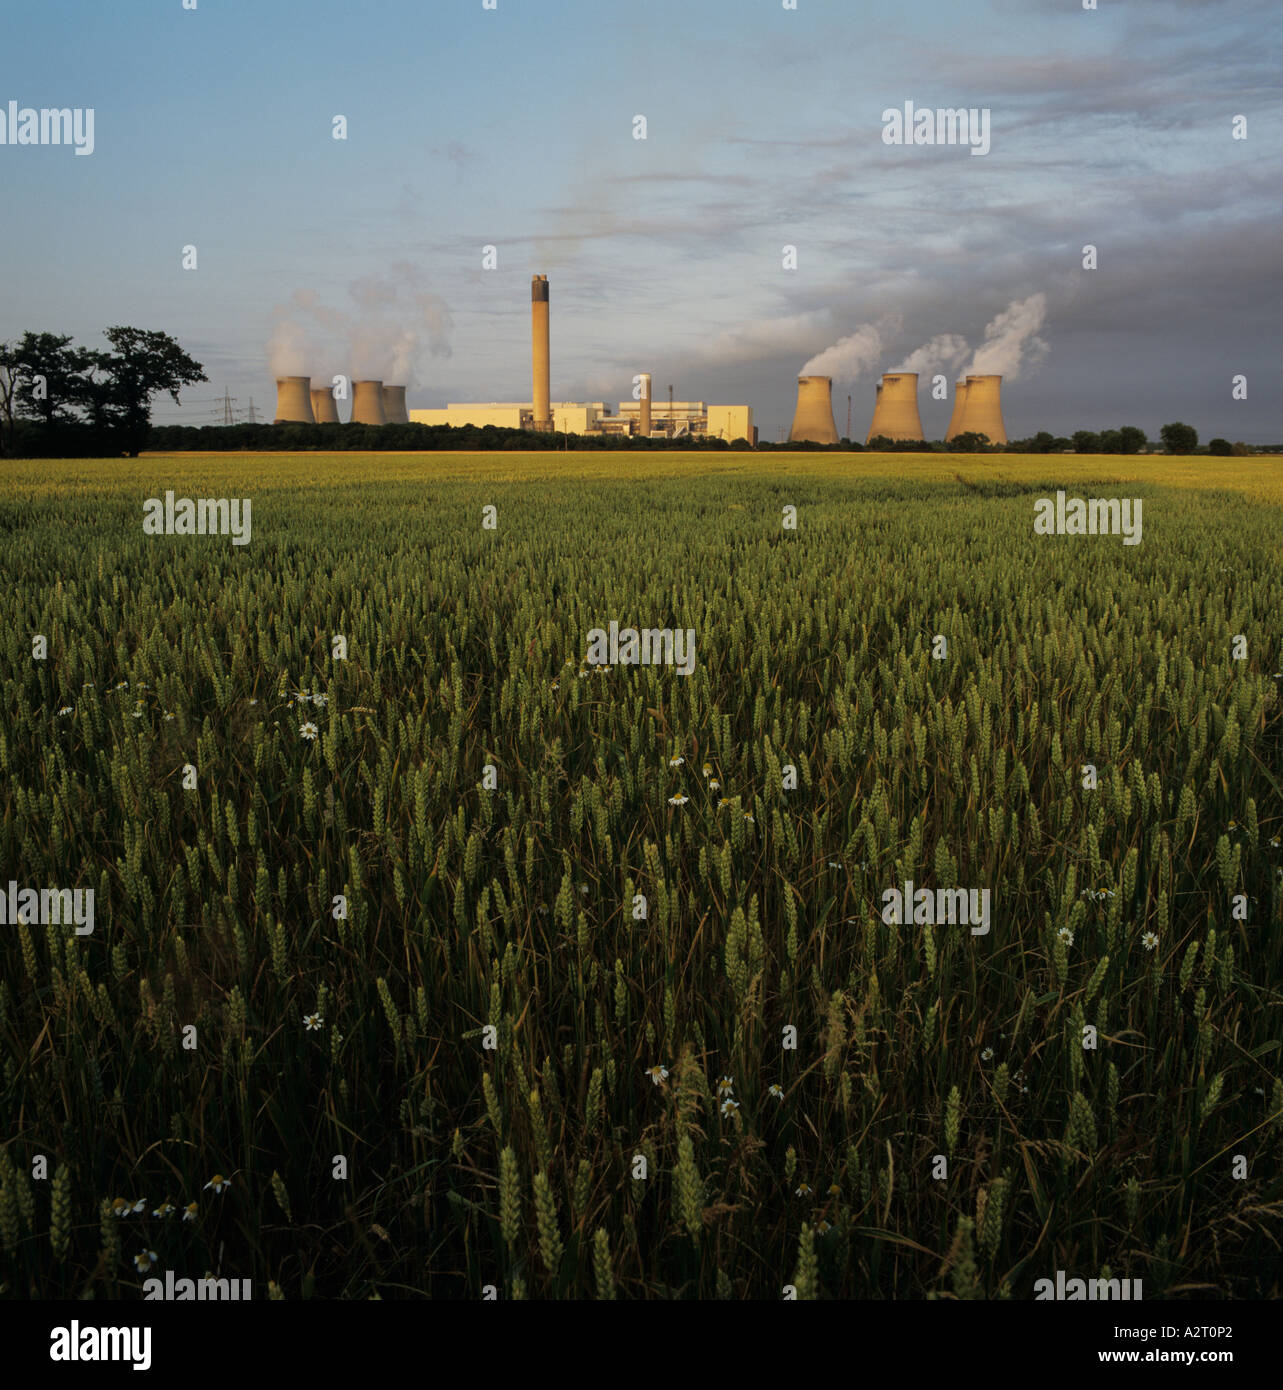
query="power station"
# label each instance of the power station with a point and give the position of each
(813, 418)
(895, 414)
(367, 403)
(641, 417)
(977, 405)
(959, 404)
(324, 407)
(982, 409)
(294, 401)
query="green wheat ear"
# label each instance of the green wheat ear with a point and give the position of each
(60, 1220)
(601, 1265)
(806, 1275)
(509, 1198)
(551, 1249)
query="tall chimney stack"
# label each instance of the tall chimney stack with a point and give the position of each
(294, 401)
(367, 403)
(959, 408)
(896, 413)
(982, 413)
(539, 352)
(394, 411)
(324, 406)
(813, 420)
(643, 424)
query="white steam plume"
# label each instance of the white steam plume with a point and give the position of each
(1011, 342)
(852, 356)
(944, 350)
(395, 322)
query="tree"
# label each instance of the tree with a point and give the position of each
(1061, 445)
(1111, 442)
(1241, 450)
(50, 377)
(969, 442)
(143, 364)
(882, 443)
(1086, 442)
(1179, 439)
(1133, 439)
(1221, 447)
(8, 390)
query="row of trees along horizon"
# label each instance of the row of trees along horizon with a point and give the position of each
(62, 401)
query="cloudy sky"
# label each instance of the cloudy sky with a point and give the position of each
(514, 128)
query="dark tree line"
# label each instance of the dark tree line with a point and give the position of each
(57, 399)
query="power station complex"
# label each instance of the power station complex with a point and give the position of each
(977, 406)
(373, 403)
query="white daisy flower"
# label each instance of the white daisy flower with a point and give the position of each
(835, 864)
(776, 1091)
(144, 1261)
(308, 731)
(676, 762)
(714, 785)
(169, 716)
(987, 1055)
(728, 1105)
(804, 1190)
(67, 709)
(313, 1022)
(165, 1209)
(190, 1210)
(1149, 941)
(218, 1182)
(678, 800)
(1066, 936)
(657, 1074)
(139, 1206)
(320, 699)
(707, 769)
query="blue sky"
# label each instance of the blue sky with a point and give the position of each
(514, 128)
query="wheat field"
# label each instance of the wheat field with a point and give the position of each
(453, 965)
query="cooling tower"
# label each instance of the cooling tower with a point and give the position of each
(294, 401)
(324, 407)
(539, 352)
(643, 427)
(394, 406)
(813, 420)
(367, 403)
(982, 413)
(959, 406)
(896, 413)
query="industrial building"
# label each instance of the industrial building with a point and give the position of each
(646, 417)
(703, 421)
